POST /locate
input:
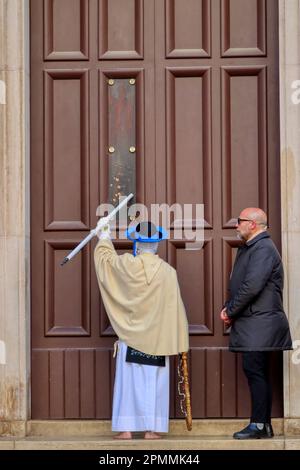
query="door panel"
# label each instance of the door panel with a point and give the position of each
(66, 159)
(194, 17)
(244, 27)
(66, 30)
(192, 85)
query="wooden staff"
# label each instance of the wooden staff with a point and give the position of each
(186, 396)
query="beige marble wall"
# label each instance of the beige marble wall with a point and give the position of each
(14, 213)
(289, 36)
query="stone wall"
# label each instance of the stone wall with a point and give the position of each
(289, 36)
(14, 215)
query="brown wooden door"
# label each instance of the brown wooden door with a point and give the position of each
(203, 107)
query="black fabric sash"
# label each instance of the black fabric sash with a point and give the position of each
(138, 357)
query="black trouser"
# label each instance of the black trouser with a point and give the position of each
(256, 369)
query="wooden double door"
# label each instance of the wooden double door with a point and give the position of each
(178, 101)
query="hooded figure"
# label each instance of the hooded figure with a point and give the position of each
(141, 296)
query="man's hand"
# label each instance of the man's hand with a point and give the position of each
(224, 317)
(103, 229)
(104, 234)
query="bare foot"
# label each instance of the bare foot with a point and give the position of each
(123, 435)
(151, 435)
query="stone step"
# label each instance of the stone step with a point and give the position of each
(213, 434)
(94, 428)
(166, 443)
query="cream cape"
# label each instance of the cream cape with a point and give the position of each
(142, 299)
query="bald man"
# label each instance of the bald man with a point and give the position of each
(255, 313)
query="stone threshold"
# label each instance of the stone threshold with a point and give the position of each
(206, 434)
(177, 427)
(166, 443)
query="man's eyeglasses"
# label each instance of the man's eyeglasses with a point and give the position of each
(239, 220)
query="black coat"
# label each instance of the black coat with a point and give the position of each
(255, 302)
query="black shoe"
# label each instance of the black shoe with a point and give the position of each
(269, 429)
(253, 431)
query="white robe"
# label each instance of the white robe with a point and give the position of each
(141, 395)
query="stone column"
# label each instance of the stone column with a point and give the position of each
(14, 216)
(289, 37)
